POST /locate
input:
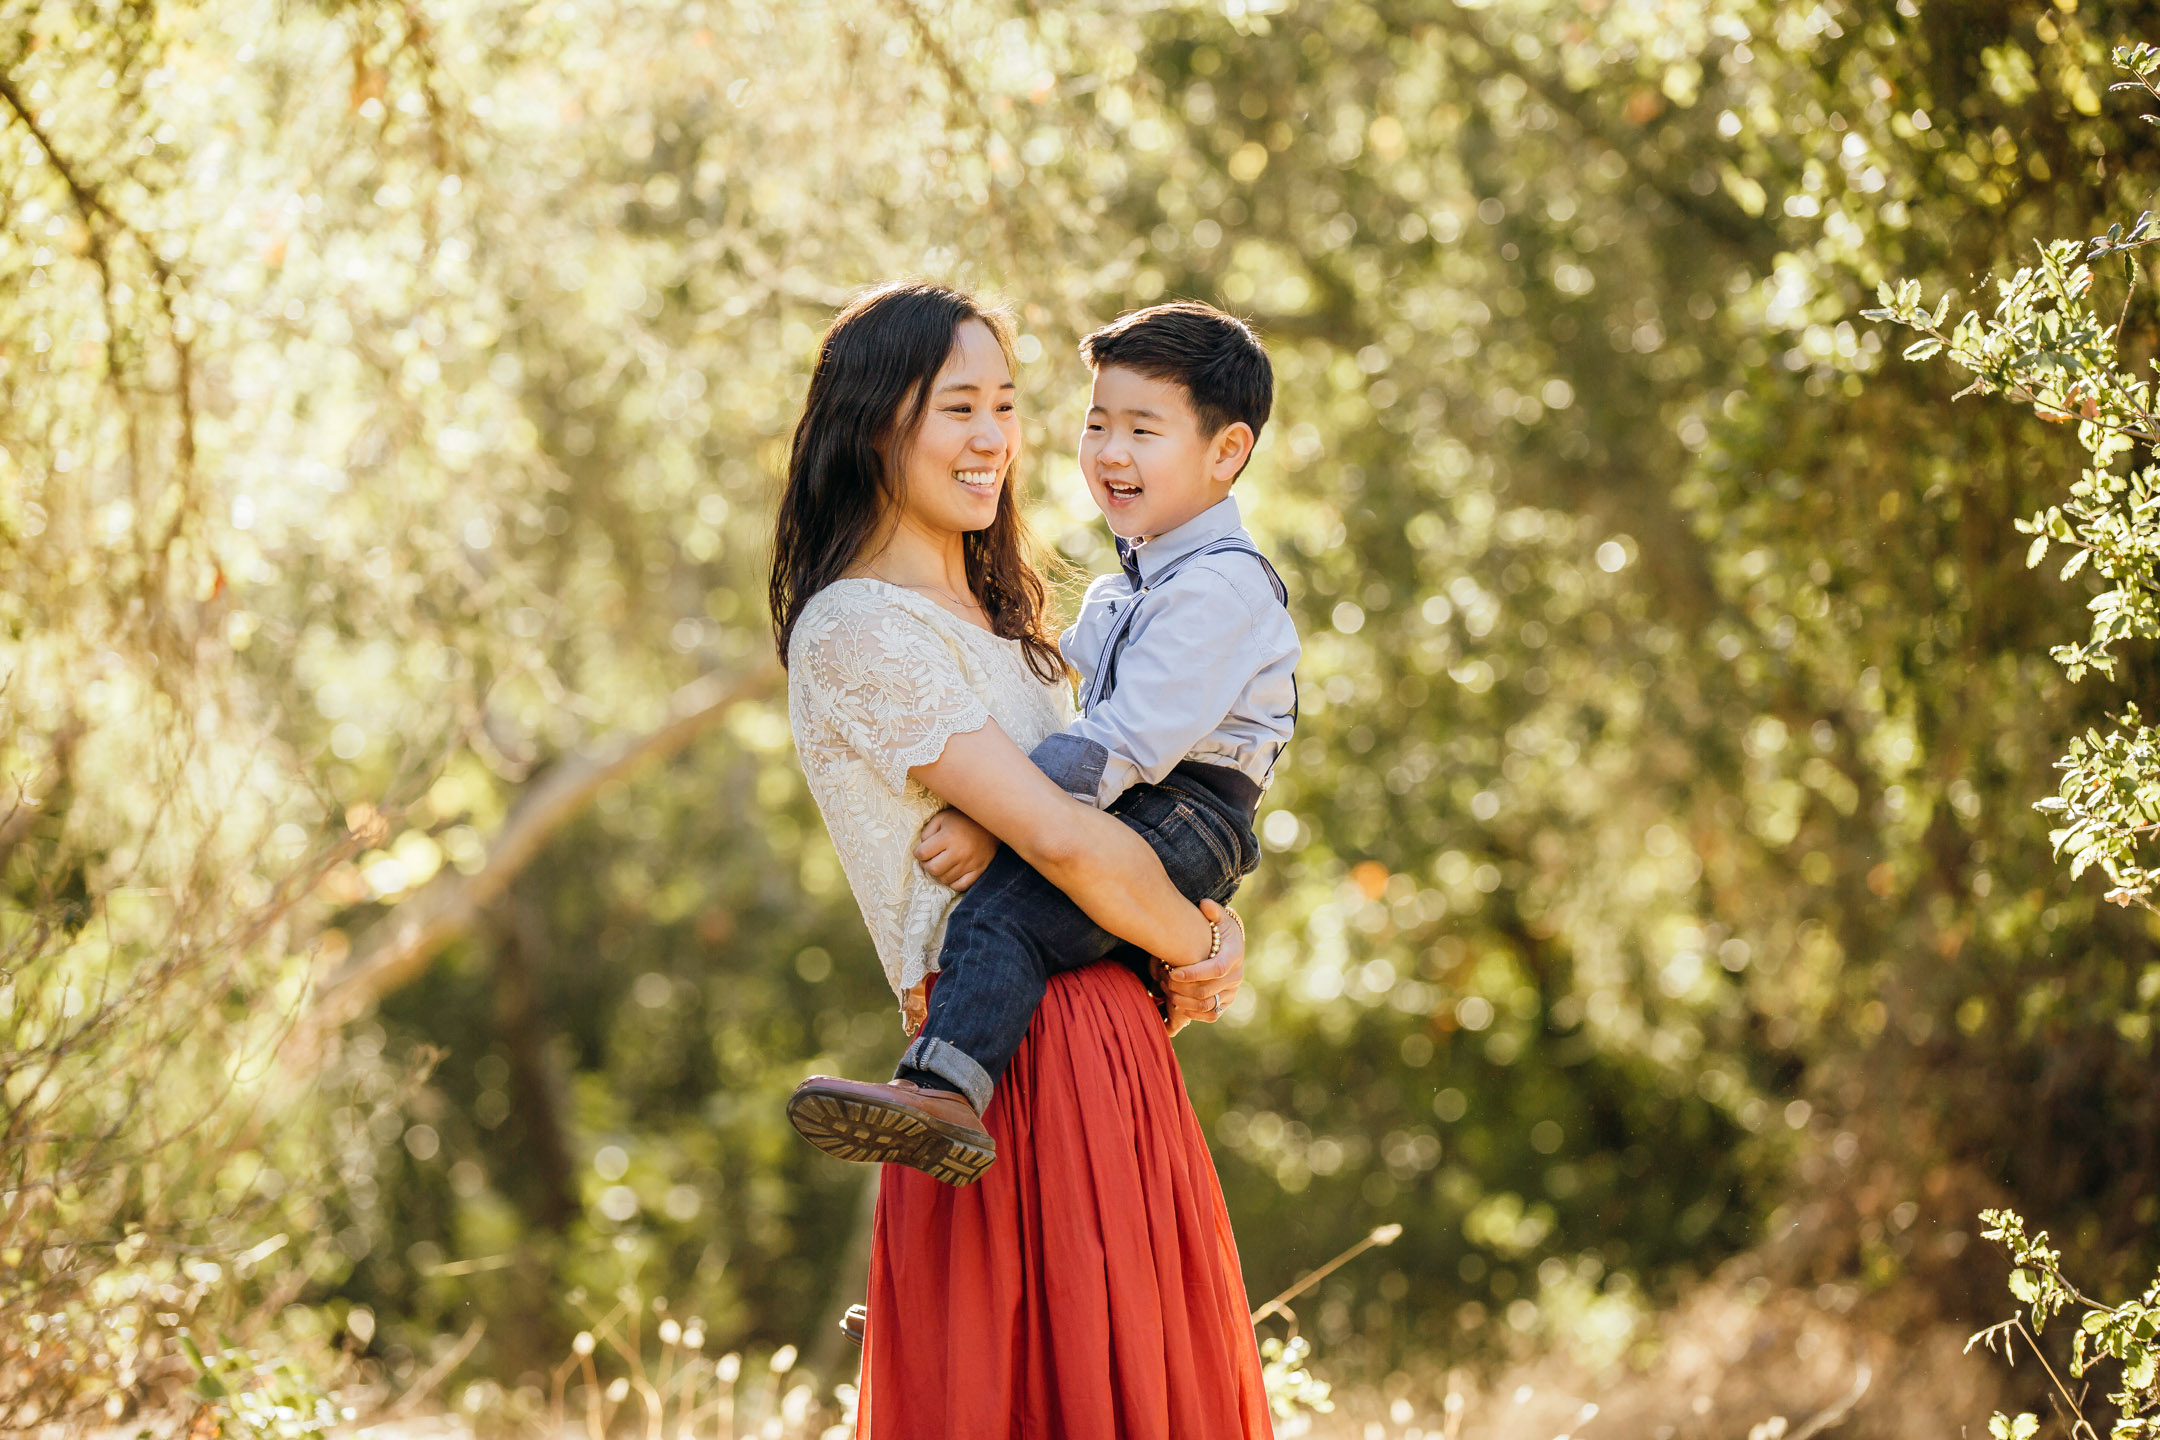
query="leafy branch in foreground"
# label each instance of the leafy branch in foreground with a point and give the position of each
(2048, 346)
(2128, 1333)
(245, 1396)
(1291, 1387)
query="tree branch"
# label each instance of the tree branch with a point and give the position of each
(397, 949)
(91, 204)
(54, 781)
(1749, 234)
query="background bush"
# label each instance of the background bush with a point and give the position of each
(393, 396)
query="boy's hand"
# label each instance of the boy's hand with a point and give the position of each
(954, 850)
(1204, 990)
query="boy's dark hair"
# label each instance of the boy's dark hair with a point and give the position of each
(1216, 357)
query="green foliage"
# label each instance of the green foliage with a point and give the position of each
(2128, 1334)
(2047, 346)
(1291, 1388)
(392, 403)
(254, 1398)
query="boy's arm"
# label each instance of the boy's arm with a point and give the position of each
(1177, 679)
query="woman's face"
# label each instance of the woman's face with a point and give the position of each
(955, 468)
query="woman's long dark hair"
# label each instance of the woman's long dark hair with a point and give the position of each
(867, 395)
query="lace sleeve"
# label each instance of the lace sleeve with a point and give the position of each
(888, 684)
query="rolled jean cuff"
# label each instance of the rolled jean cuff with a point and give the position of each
(949, 1062)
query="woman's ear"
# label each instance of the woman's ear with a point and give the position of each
(1232, 448)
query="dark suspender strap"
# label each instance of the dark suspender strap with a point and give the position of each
(1106, 670)
(1105, 680)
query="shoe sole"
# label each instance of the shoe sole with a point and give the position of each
(848, 1128)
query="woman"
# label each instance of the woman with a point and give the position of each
(1088, 1285)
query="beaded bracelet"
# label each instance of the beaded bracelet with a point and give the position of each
(1214, 931)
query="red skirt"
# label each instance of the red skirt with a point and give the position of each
(1087, 1287)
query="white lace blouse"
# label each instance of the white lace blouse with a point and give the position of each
(879, 678)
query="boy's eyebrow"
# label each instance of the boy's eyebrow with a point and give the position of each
(1138, 411)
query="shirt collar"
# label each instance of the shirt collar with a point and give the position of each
(1142, 560)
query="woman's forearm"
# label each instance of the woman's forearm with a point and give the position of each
(1117, 880)
(1104, 867)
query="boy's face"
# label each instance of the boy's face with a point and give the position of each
(1146, 462)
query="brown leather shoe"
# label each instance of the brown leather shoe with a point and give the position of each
(855, 1322)
(898, 1122)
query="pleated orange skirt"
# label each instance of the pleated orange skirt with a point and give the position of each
(1087, 1287)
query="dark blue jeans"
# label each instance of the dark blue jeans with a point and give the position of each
(1013, 930)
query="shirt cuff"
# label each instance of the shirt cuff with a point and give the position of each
(1075, 763)
(1119, 775)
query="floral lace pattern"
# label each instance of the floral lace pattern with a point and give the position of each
(879, 678)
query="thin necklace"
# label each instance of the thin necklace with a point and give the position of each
(940, 590)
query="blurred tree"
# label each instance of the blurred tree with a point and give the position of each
(1715, 670)
(397, 392)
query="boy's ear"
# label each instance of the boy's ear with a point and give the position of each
(1227, 456)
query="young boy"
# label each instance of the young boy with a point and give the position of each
(1185, 662)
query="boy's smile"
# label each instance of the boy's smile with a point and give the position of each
(1147, 465)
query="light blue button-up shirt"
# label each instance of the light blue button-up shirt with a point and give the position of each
(1205, 673)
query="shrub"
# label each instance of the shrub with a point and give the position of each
(2049, 345)
(2128, 1333)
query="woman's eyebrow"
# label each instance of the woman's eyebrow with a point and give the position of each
(970, 387)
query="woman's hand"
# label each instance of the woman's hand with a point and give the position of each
(1202, 991)
(954, 850)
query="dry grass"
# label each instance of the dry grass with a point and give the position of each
(1736, 1358)
(664, 1387)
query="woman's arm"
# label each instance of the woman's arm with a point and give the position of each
(1106, 868)
(956, 850)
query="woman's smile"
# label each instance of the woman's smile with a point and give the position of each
(969, 432)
